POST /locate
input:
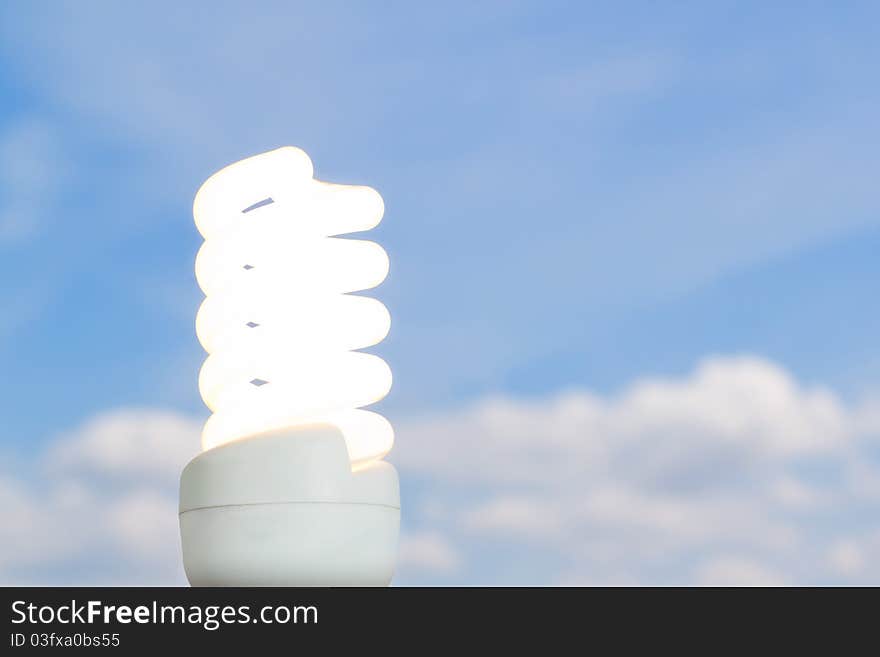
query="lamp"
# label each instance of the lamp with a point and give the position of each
(291, 488)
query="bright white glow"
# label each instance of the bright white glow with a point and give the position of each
(279, 321)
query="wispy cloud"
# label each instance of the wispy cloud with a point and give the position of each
(33, 169)
(555, 164)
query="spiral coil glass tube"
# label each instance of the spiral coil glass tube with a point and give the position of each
(280, 322)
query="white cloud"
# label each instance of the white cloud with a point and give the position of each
(735, 458)
(152, 444)
(737, 571)
(847, 557)
(427, 552)
(99, 505)
(741, 409)
(790, 492)
(734, 474)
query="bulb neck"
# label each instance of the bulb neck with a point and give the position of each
(286, 509)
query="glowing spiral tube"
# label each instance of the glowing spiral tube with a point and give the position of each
(279, 321)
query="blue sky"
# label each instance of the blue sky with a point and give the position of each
(579, 197)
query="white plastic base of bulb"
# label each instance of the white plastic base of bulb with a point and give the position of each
(285, 509)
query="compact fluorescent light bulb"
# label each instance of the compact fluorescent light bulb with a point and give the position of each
(291, 488)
